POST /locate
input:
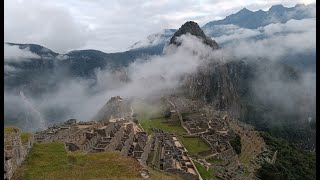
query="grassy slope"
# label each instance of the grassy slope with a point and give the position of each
(51, 161)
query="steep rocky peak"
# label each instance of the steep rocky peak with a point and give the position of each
(194, 29)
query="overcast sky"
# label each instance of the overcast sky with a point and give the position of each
(113, 25)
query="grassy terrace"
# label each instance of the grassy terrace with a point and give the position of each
(193, 145)
(160, 123)
(206, 175)
(51, 161)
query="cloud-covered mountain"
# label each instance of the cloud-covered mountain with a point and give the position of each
(281, 30)
(245, 19)
(255, 19)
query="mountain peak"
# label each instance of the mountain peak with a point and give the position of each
(244, 10)
(277, 7)
(194, 29)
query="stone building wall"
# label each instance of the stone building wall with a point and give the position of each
(146, 150)
(115, 140)
(127, 144)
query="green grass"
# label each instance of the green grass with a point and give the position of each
(51, 161)
(206, 175)
(213, 160)
(9, 129)
(159, 123)
(25, 137)
(194, 145)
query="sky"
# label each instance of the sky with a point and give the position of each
(113, 25)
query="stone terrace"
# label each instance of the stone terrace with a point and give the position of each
(171, 156)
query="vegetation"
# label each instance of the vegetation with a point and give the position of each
(278, 123)
(236, 143)
(25, 137)
(213, 160)
(9, 129)
(291, 162)
(51, 161)
(204, 173)
(160, 123)
(194, 145)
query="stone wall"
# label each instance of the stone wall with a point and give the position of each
(127, 144)
(115, 140)
(184, 175)
(146, 150)
(14, 152)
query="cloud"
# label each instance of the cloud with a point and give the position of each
(43, 23)
(149, 78)
(109, 26)
(273, 41)
(15, 54)
(9, 69)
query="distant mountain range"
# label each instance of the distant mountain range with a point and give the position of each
(243, 19)
(26, 74)
(276, 14)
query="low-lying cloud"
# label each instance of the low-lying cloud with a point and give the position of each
(15, 54)
(273, 41)
(159, 75)
(151, 77)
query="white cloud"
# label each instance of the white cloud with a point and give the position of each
(15, 54)
(112, 25)
(153, 77)
(295, 36)
(44, 23)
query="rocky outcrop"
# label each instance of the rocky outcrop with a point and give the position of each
(194, 29)
(116, 109)
(14, 151)
(215, 85)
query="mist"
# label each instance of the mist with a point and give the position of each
(156, 76)
(152, 77)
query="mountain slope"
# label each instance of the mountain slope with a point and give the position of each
(257, 91)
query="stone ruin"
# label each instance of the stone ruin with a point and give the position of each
(94, 137)
(172, 156)
(196, 123)
(14, 152)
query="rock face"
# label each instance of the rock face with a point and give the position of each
(218, 85)
(115, 109)
(195, 30)
(14, 152)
